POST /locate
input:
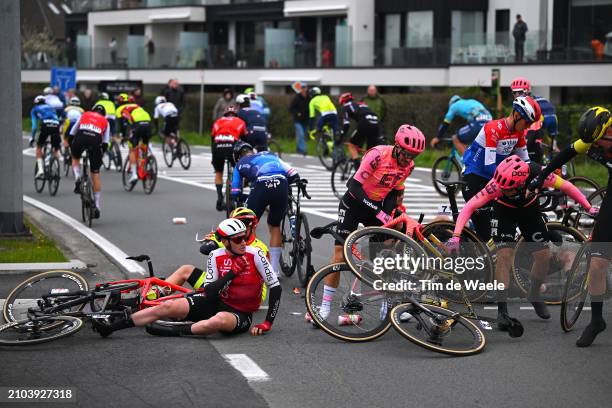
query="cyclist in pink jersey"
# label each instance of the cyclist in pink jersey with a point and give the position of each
(515, 206)
(372, 195)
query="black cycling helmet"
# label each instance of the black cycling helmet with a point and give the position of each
(239, 146)
(99, 109)
(594, 123)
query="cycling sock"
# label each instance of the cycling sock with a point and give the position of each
(122, 324)
(502, 302)
(77, 172)
(219, 188)
(97, 196)
(596, 307)
(186, 330)
(275, 253)
(133, 168)
(40, 164)
(328, 296)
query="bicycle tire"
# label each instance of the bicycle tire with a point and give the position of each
(354, 333)
(106, 160)
(367, 241)
(228, 189)
(302, 249)
(54, 176)
(150, 179)
(575, 291)
(67, 160)
(168, 154)
(184, 154)
(125, 177)
(117, 157)
(86, 202)
(323, 151)
(70, 280)
(39, 183)
(274, 147)
(439, 172)
(443, 230)
(341, 173)
(287, 263)
(64, 325)
(521, 264)
(475, 339)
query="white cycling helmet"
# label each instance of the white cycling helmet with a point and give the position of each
(75, 101)
(160, 99)
(240, 99)
(48, 90)
(229, 228)
(39, 99)
(104, 96)
(315, 90)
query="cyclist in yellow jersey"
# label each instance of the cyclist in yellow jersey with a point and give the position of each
(595, 139)
(109, 106)
(140, 122)
(322, 105)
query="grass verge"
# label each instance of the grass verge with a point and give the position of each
(39, 248)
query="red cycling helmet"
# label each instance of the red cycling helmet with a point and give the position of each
(230, 109)
(345, 97)
(527, 107)
(520, 84)
(410, 138)
(511, 173)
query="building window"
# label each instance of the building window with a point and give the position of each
(419, 29)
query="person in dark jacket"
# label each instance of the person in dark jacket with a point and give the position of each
(174, 93)
(518, 32)
(299, 111)
(222, 103)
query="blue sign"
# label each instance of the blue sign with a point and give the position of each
(64, 77)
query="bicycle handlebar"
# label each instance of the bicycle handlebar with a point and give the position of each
(301, 185)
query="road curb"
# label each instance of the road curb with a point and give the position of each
(74, 264)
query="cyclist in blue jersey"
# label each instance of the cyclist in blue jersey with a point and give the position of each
(474, 112)
(257, 130)
(269, 178)
(259, 103)
(44, 120)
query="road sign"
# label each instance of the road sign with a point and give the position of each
(64, 77)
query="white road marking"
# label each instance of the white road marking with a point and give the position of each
(490, 308)
(526, 307)
(98, 240)
(247, 367)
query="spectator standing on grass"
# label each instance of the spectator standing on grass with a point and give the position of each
(518, 32)
(222, 103)
(299, 112)
(138, 97)
(377, 104)
(174, 93)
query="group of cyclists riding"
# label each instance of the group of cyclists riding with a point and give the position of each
(502, 165)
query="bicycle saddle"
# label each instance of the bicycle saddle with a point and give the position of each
(318, 232)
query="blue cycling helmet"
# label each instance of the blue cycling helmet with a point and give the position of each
(453, 99)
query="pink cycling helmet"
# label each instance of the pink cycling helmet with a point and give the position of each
(520, 84)
(410, 138)
(511, 173)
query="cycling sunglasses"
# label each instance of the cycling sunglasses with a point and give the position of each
(239, 239)
(405, 153)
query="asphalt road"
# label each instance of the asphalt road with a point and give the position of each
(306, 368)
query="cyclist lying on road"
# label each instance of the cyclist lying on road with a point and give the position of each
(231, 293)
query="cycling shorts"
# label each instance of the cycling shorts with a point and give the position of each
(93, 144)
(468, 133)
(112, 125)
(351, 213)
(49, 128)
(528, 219)
(219, 154)
(602, 232)
(170, 125)
(141, 132)
(331, 119)
(203, 308)
(258, 139)
(197, 277)
(366, 132)
(269, 191)
(481, 218)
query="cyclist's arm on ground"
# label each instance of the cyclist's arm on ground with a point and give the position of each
(75, 127)
(554, 181)
(490, 192)
(236, 182)
(271, 279)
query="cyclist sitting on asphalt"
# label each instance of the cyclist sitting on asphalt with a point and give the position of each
(92, 133)
(595, 132)
(225, 132)
(44, 117)
(109, 106)
(259, 103)
(367, 130)
(257, 130)
(322, 105)
(140, 122)
(372, 194)
(514, 206)
(269, 178)
(231, 293)
(169, 113)
(497, 140)
(72, 113)
(471, 110)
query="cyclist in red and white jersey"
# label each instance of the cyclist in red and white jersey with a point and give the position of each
(231, 293)
(225, 132)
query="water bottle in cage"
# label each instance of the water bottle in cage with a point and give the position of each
(292, 225)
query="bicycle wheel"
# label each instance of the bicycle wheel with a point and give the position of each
(274, 148)
(325, 148)
(125, 177)
(86, 201)
(54, 175)
(117, 158)
(302, 249)
(168, 156)
(357, 311)
(472, 247)
(342, 172)
(41, 330)
(366, 250)
(67, 161)
(106, 160)
(445, 168)
(229, 207)
(438, 329)
(562, 256)
(39, 183)
(184, 154)
(575, 291)
(287, 261)
(28, 292)
(148, 183)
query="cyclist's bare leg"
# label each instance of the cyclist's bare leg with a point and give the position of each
(597, 276)
(458, 145)
(353, 151)
(218, 177)
(222, 321)
(133, 159)
(333, 279)
(180, 276)
(97, 187)
(76, 168)
(541, 263)
(176, 308)
(502, 275)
